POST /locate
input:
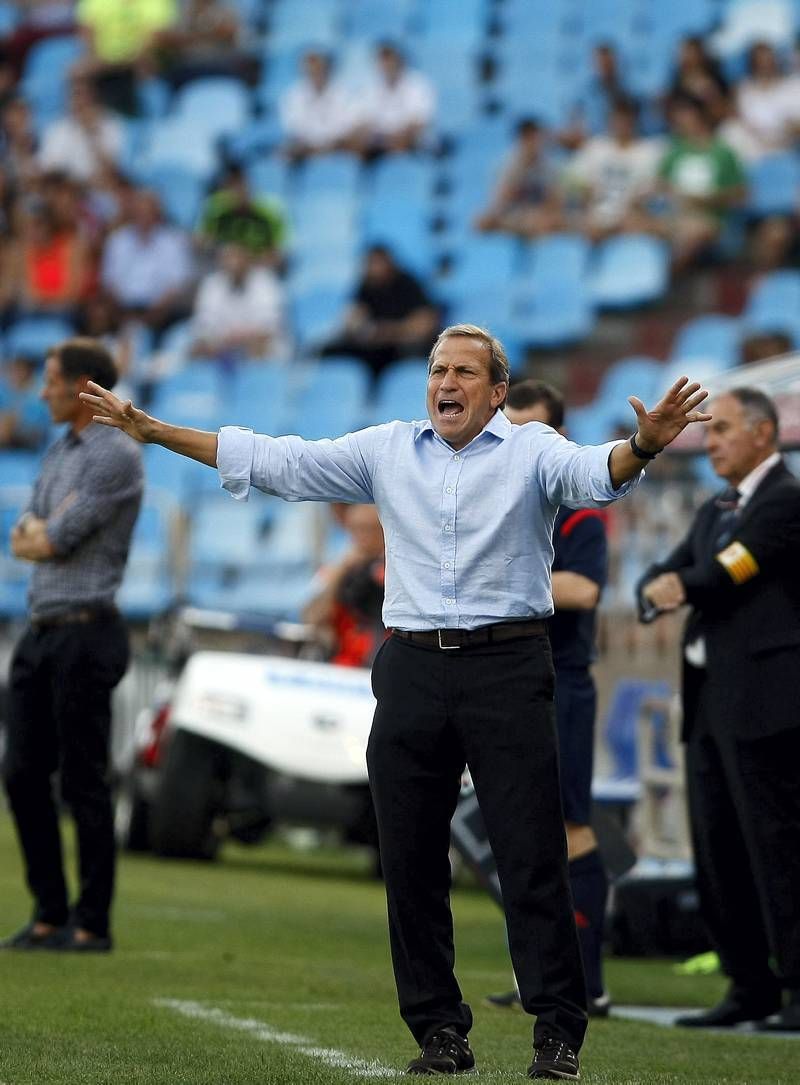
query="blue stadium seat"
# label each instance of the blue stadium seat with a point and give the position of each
(331, 398)
(314, 22)
(225, 533)
(9, 17)
(316, 316)
(330, 174)
(260, 398)
(35, 335)
(770, 323)
(201, 409)
(635, 376)
(177, 339)
(215, 104)
(559, 256)
(777, 294)
(629, 271)
(259, 136)
(377, 20)
(554, 313)
(44, 77)
(197, 378)
(181, 193)
(713, 338)
(620, 730)
(14, 575)
(267, 175)
(774, 184)
(401, 392)
(485, 265)
(402, 225)
(184, 142)
(148, 588)
(19, 469)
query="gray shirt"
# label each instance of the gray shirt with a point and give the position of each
(89, 492)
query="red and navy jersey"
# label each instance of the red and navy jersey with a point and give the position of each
(580, 546)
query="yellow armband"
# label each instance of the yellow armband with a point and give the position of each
(738, 562)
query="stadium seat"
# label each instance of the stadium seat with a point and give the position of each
(777, 294)
(14, 575)
(330, 174)
(18, 469)
(401, 392)
(403, 226)
(316, 316)
(329, 399)
(636, 376)
(216, 105)
(774, 185)
(148, 589)
(260, 398)
(184, 142)
(267, 175)
(33, 336)
(554, 313)
(629, 271)
(44, 77)
(181, 193)
(713, 338)
(314, 22)
(376, 20)
(620, 731)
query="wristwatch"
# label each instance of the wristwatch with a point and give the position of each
(640, 452)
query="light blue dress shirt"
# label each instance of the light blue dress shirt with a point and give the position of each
(468, 533)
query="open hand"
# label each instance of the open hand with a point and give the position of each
(110, 410)
(670, 416)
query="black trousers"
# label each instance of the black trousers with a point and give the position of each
(491, 707)
(744, 804)
(59, 720)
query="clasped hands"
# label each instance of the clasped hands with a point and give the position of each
(666, 591)
(29, 540)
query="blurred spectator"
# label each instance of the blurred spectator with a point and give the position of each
(390, 316)
(603, 87)
(703, 180)
(99, 319)
(47, 268)
(699, 75)
(122, 37)
(233, 214)
(24, 419)
(317, 113)
(775, 242)
(396, 108)
(87, 141)
(527, 199)
(612, 172)
(760, 346)
(147, 265)
(768, 101)
(346, 609)
(206, 40)
(39, 19)
(8, 79)
(239, 310)
(6, 205)
(18, 142)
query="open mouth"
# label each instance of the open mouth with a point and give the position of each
(448, 408)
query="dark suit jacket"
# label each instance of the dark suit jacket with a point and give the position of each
(748, 611)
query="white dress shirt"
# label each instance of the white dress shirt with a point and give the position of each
(317, 118)
(389, 108)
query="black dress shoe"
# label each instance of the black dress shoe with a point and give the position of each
(98, 943)
(446, 1052)
(27, 939)
(785, 1020)
(732, 1011)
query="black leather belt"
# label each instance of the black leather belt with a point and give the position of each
(80, 616)
(468, 638)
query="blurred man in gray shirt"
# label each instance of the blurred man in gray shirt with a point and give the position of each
(77, 531)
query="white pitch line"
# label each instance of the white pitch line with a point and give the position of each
(259, 1030)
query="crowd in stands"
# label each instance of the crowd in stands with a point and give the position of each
(200, 181)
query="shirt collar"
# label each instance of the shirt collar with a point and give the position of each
(750, 483)
(498, 425)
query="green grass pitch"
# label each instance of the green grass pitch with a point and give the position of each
(282, 961)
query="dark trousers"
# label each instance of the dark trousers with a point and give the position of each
(491, 707)
(744, 802)
(59, 720)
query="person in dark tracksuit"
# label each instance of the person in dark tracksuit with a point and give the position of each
(580, 568)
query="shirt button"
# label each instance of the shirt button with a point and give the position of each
(456, 457)
(449, 602)
(447, 527)
(449, 489)
(447, 565)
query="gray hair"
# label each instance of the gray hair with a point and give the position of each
(498, 362)
(757, 406)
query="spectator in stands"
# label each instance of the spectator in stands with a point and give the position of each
(47, 267)
(99, 319)
(147, 265)
(23, 417)
(768, 101)
(85, 142)
(233, 214)
(527, 200)
(6, 206)
(205, 41)
(699, 75)
(611, 173)
(345, 610)
(121, 41)
(761, 346)
(396, 108)
(239, 310)
(18, 143)
(318, 114)
(38, 19)
(703, 180)
(604, 86)
(390, 317)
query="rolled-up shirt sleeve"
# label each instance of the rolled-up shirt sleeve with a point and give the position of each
(577, 476)
(299, 470)
(108, 482)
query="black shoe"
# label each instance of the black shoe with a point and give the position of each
(446, 1052)
(27, 939)
(732, 1011)
(553, 1060)
(785, 1020)
(509, 1000)
(98, 943)
(600, 1006)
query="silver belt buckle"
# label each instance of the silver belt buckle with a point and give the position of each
(446, 647)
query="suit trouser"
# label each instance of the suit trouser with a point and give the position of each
(744, 803)
(59, 719)
(491, 707)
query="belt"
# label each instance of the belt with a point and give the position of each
(468, 638)
(81, 616)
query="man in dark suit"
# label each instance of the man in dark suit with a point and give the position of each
(737, 570)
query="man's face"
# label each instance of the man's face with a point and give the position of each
(537, 412)
(461, 395)
(60, 393)
(734, 443)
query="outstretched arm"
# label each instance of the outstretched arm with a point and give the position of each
(110, 410)
(658, 427)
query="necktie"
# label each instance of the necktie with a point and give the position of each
(728, 505)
